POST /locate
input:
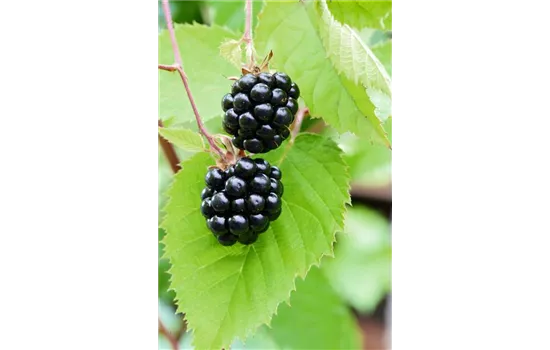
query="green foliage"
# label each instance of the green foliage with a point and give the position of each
(230, 13)
(350, 55)
(316, 318)
(183, 138)
(369, 165)
(206, 70)
(351, 91)
(383, 52)
(380, 43)
(228, 292)
(164, 279)
(363, 13)
(339, 53)
(231, 50)
(363, 250)
(182, 12)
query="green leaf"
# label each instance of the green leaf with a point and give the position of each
(164, 279)
(169, 122)
(350, 90)
(232, 52)
(227, 292)
(361, 13)
(214, 125)
(383, 53)
(363, 250)
(373, 37)
(182, 12)
(261, 339)
(230, 13)
(206, 70)
(349, 53)
(355, 60)
(185, 139)
(380, 43)
(316, 319)
(369, 165)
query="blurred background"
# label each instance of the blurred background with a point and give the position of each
(360, 273)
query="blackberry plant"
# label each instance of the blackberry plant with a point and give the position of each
(235, 237)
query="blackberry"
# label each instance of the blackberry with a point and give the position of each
(227, 102)
(215, 178)
(292, 104)
(259, 111)
(247, 238)
(275, 173)
(217, 224)
(279, 98)
(241, 103)
(220, 202)
(238, 225)
(228, 239)
(235, 187)
(260, 184)
(263, 166)
(282, 81)
(255, 203)
(276, 187)
(240, 202)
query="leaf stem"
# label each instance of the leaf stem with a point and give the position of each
(170, 26)
(297, 125)
(247, 37)
(294, 131)
(169, 152)
(179, 67)
(173, 341)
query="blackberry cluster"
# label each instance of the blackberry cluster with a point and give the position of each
(240, 202)
(259, 111)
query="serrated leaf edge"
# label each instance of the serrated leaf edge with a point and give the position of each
(328, 19)
(161, 130)
(267, 320)
(330, 253)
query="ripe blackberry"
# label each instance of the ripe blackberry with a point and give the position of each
(240, 202)
(259, 111)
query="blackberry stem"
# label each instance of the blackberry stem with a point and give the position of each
(294, 131)
(169, 152)
(179, 67)
(170, 337)
(298, 123)
(247, 37)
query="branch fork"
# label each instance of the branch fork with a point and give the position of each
(178, 66)
(232, 153)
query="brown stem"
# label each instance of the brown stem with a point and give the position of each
(170, 68)
(169, 152)
(173, 341)
(297, 125)
(202, 129)
(168, 18)
(179, 67)
(294, 130)
(247, 37)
